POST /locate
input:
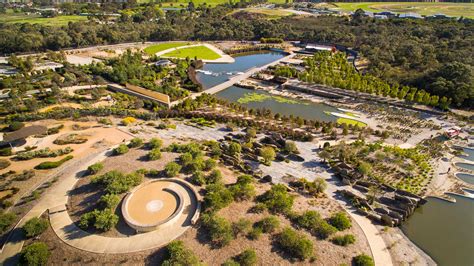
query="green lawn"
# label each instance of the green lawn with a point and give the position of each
(343, 120)
(423, 8)
(271, 13)
(155, 48)
(201, 52)
(11, 17)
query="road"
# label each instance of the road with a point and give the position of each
(233, 80)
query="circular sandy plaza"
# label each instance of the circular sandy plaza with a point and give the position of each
(153, 204)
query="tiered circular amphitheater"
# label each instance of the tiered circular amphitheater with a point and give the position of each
(155, 204)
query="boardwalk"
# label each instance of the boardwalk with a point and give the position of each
(233, 80)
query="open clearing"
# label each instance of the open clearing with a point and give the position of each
(155, 48)
(271, 13)
(11, 17)
(423, 8)
(200, 52)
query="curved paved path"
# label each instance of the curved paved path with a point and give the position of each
(55, 201)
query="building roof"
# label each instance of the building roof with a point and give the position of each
(24, 133)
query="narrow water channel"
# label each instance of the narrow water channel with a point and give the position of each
(444, 230)
(214, 74)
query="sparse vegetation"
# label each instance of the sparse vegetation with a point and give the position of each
(295, 244)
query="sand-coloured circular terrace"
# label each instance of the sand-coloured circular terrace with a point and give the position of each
(154, 204)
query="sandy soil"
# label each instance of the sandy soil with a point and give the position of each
(98, 137)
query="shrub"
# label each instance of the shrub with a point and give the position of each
(290, 147)
(344, 240)
(6, 151)
(234, 149)
(35, 254)
(109, 201)
(14, 126)
(209, 164)
(247, 258)
(4, 164)
(172, 169)
(363, 260)
(42, 153)
(242, 226)
(51, 165)
(220, 230)
(128, 120)
(214, 176)
(105, 220)
(35, 227)
(95, 168)
(243, 189)
(121, 149)
(230, 262)
(341, 221)
(155, 143)
(186, 158)
(217, 197)
(105, 121)
(268, 224)
(198, 178)
(296, 244)
(178, 254)
(312, 221)
(6, 219)
(255, 233)
(259, 208)
(135, 143)
(116, 182)
(277, 199)
(154, 154)
(268, 154)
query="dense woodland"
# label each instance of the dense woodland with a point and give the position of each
(432, 54)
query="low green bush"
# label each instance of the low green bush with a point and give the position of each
(295, 244)
(241, 227)
(121, 149)
(340, 220)
(109, 201)
(178, 254)
(35, 254)
(135, 143)
(214, 176)
(312, 221)
(115, 182)
(363, 260)
(219, 229)
(14, 126)
(103, 220)
(95, 168)
(6, 151)
(247, 258)
(4, 164)
(344, 240)
(198, 178)
(172, 169)
(155, 143)
(209, 164)
(244, 188)
(42, 153)
(51, 165)
(6, 219)
(277, 199)
(35, 227)
(268, 224)
(154, 154)
(217, 197)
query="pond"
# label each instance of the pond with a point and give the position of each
(444, 230)
(468, 166)
(214, 74)
(468, 178)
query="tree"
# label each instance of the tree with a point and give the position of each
(172, 169)
(277, 199)
(105, 220)
(219, 229)
(268, 154)
(35, 254)
(35, 227)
